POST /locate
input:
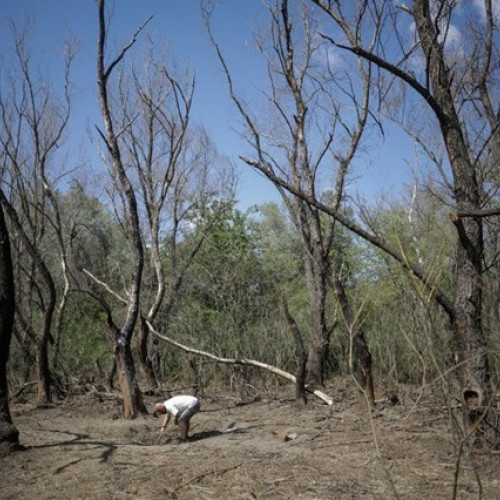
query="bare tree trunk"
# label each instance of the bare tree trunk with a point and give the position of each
(492, 290)
(363, 369)
(466, 325)
(29, 360)
(468, 300)
(301, 354)
(319, 332)
(196, 377)
(9, 435)
(44, 395)
(132, 396)
(121, 337)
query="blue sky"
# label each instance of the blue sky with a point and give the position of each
(179, 23)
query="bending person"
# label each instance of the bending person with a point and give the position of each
(182, 408)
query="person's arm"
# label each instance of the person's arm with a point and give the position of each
(165, 423)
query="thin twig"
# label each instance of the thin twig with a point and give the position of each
(105, 285)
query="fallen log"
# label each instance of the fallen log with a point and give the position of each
(238, 361)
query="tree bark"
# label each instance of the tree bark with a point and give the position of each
(301, 354)
(44, 393)
(319, 331)
(466, 323)
(9, 435)
(28, 358)
(133, 403)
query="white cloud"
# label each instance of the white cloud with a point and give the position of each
(327, 55)
(479, 5)
(453, 36)
(331, 55)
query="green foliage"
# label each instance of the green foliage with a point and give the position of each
(85, 341)
(407, 332)
(229, 299)
(228, 305)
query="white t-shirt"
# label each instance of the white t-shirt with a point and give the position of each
(178, 404)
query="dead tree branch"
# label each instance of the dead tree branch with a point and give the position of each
(237, 361)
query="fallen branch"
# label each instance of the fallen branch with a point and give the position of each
(23, 387)
(238, 361)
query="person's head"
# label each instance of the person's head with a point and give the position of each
(159, 408)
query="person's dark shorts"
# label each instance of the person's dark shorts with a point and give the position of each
(190, 411)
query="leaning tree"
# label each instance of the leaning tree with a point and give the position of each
(432, 54)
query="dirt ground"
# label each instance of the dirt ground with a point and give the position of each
(260, 448)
